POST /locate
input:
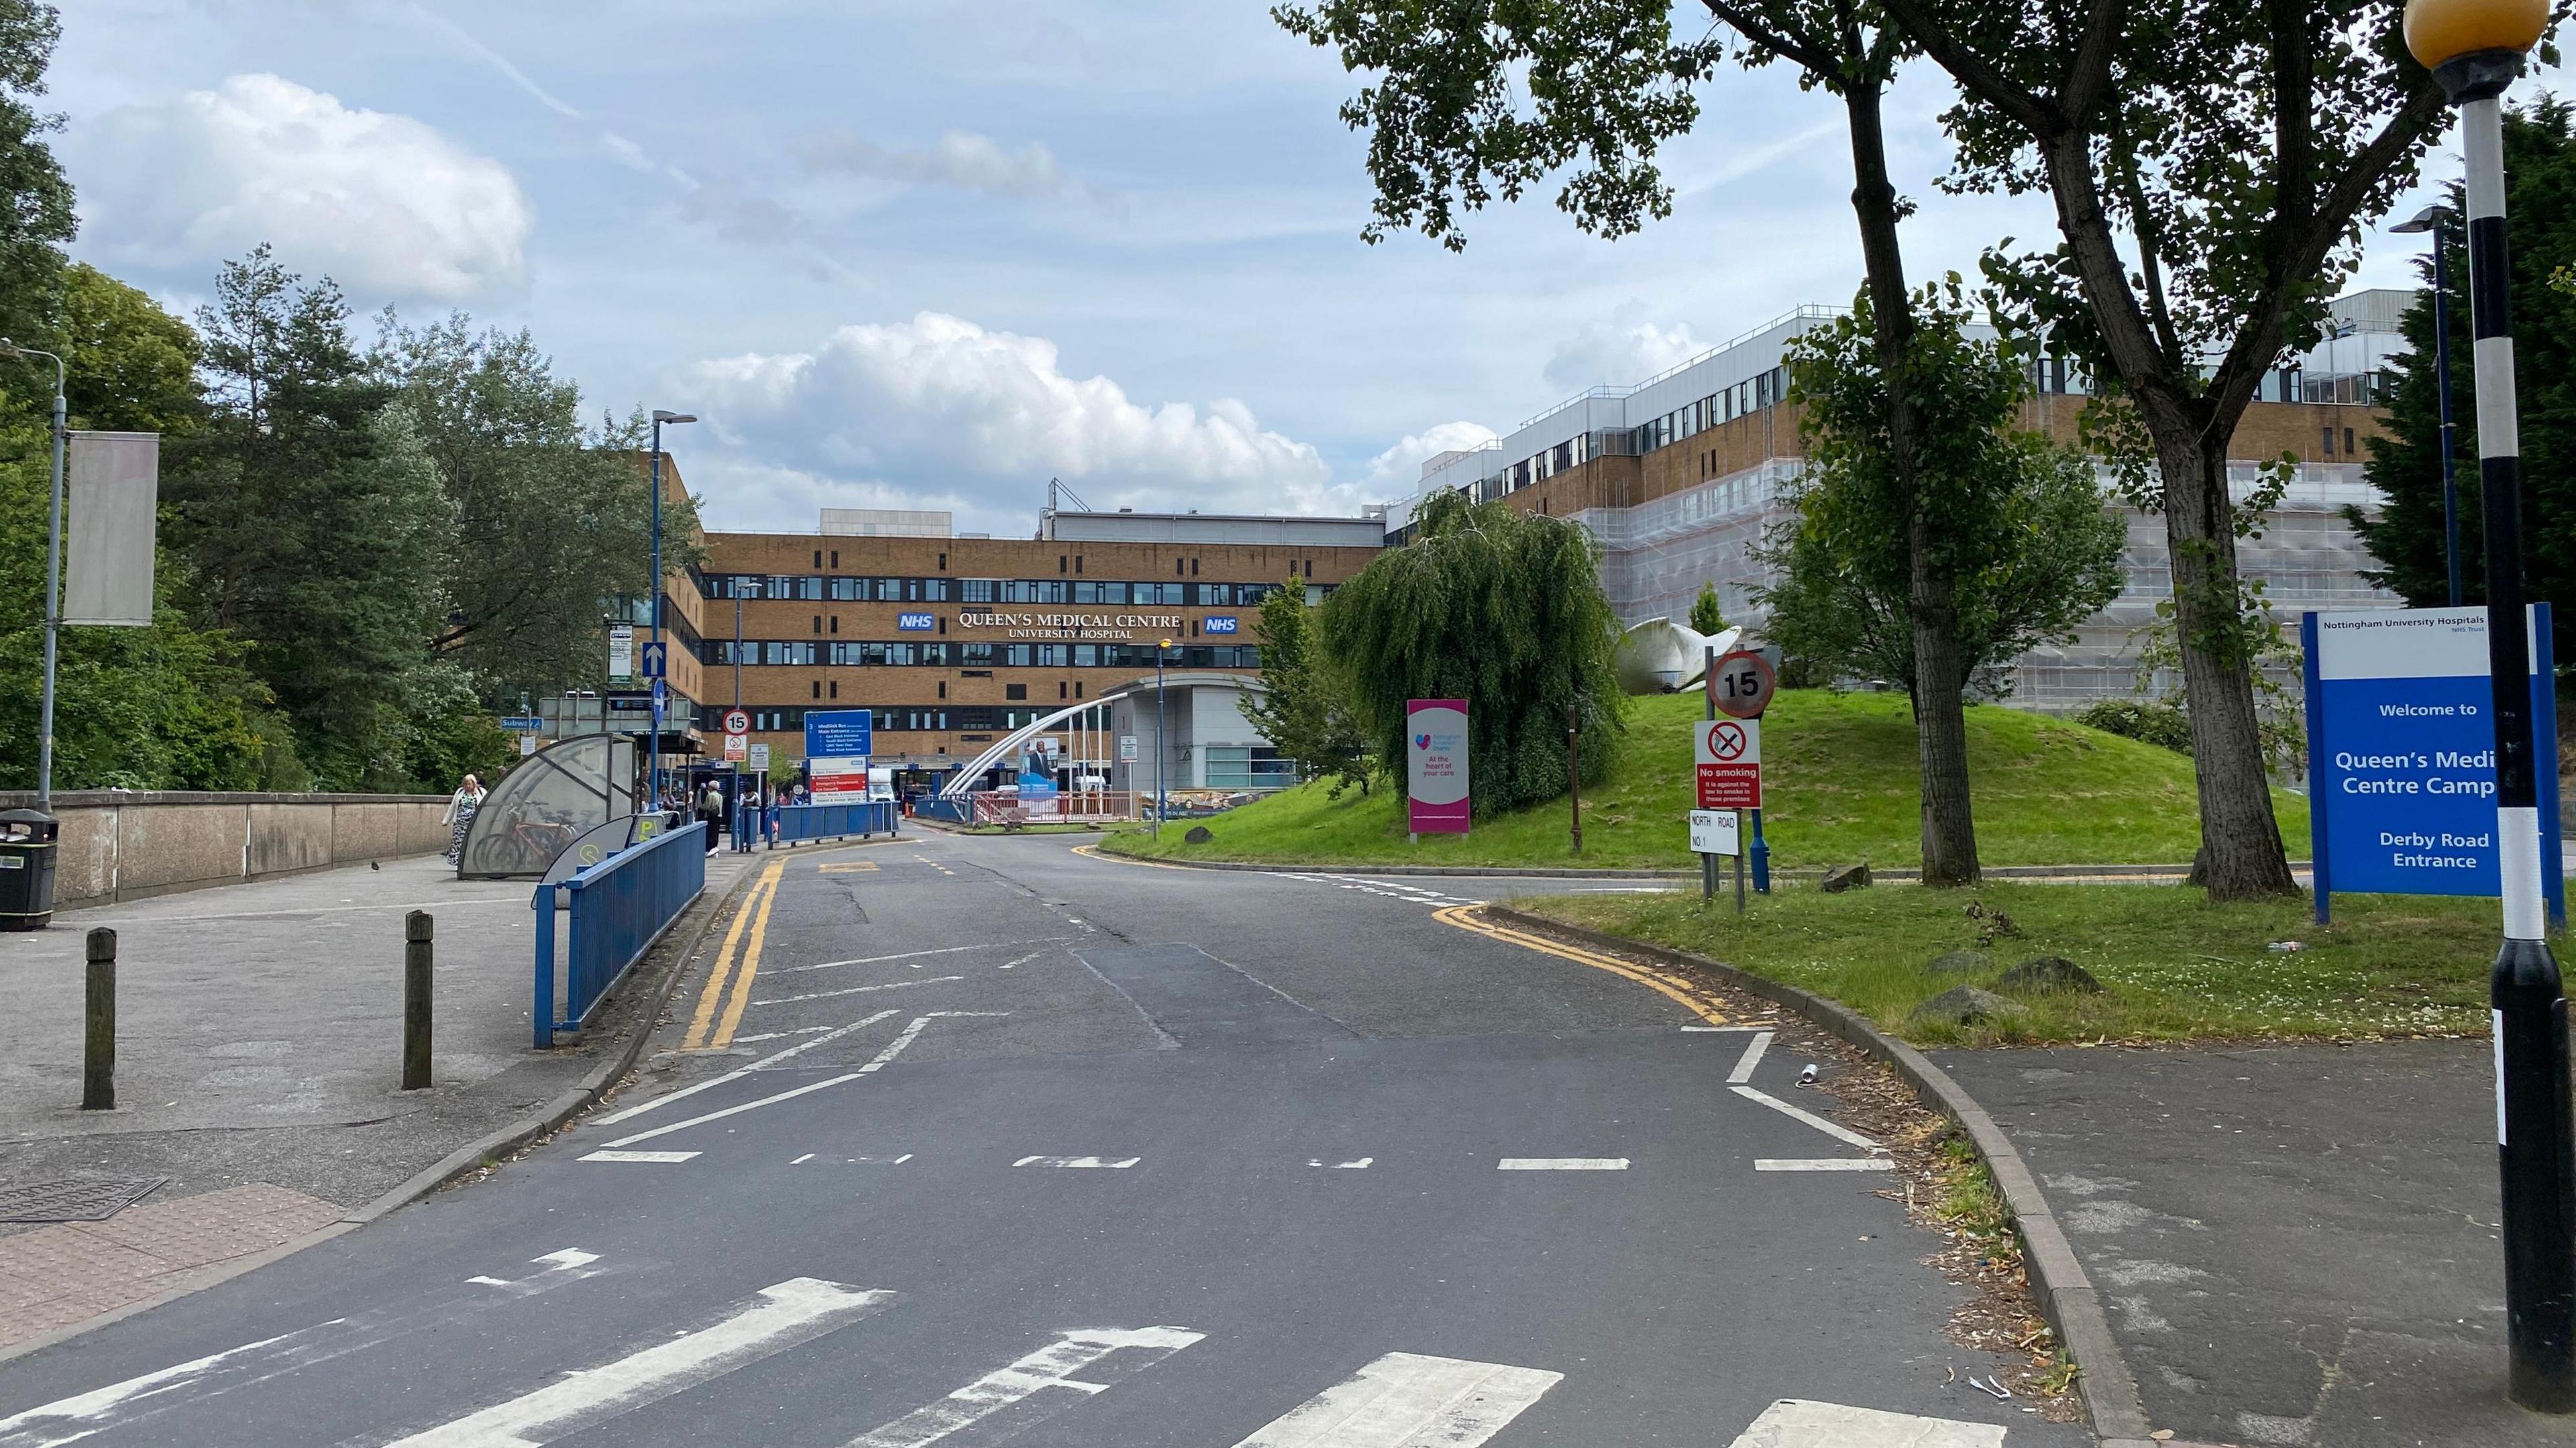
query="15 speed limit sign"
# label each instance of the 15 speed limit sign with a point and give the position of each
(737, 722)
(1741, 685)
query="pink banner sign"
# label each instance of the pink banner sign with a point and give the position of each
(1435, 766)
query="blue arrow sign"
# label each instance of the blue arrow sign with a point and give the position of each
(656, 658)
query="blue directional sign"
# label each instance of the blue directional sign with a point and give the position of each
(1224, 623)
(840, 733)
(661, 695)
(657, 657)
(916, 622)
(522, 723)
(2401, 754)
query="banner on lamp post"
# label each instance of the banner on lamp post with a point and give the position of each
(1435, 766)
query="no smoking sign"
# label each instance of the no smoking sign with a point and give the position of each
(1727, 763)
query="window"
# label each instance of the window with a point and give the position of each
(1077, 563)
(836, 623)
(943, 563)
(1060, 563)
(818, 688)
(818, 559)
(1015, 691)
(818, 623)
(1241, 766)
(1194, 568)
(2348, 448)
(943, 688)
(836, 688)
(975, 654)
(973, 590)
(836, 558)
(2327, 446)
(1063, 690)
(1176, 568)
(847, 590)
(772, 721)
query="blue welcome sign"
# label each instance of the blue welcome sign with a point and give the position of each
(2401, 754)
(1224, 623)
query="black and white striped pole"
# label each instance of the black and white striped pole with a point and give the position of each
(2475, 49)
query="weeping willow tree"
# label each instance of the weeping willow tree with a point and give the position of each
(1502, 610)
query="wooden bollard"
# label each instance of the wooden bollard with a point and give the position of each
(416, 948)
(98, 1034)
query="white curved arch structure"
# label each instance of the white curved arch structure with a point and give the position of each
(1660, 656)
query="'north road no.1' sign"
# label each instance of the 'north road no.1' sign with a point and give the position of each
(2401, 753)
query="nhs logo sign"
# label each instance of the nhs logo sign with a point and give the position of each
(1224, 623)
(916, 622)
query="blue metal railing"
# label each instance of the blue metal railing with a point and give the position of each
(618, 908)
(798, 822)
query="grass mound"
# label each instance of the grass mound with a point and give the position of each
(2172, 965)
(1840, 785)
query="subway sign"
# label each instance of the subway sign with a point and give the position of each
(916, 622)
(1223, 623)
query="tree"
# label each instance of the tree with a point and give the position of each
(2238, 147)
(1605, 85)
(550, 519)
(35, 201)
(312, 519)
(2027, 548)
(1707, 615)
(132, 366)
(1305, 711)
(2405, 535)
(1503, 610)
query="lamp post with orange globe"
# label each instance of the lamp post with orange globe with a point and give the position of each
(2474, 49)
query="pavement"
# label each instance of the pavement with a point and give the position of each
(977, 1140)
(259, 1052)
(2298, 1244)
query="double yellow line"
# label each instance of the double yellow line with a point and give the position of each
(707, 1029)
(1679, 988)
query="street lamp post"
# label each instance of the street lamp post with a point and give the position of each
(659, 687)
(53, 580)
(2430, 220)
(2474, 49)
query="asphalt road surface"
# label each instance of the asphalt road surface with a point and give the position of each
(981, 1141)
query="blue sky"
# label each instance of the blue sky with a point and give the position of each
(931, 254)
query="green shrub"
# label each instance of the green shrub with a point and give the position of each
(2162, 725)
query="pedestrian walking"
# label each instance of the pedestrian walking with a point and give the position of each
(460, 813)
(711, 814)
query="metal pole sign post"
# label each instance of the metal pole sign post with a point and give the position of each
(1435, 767)
(2475, 50)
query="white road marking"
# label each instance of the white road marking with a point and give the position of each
(1023, 960)
(824, 995)
(1686, 1028)
(135, 1399)
(917, 954)
(800, 1161)
(666, 1158)
(780, 1317)
(1753, 1050)
(1838, 1133)
(1040, 1371)
(778, 1035)
(830, 1033)
(1405, 1401)
(1079, 1161)
(1562, 1163)
(1824, 1163)
(880, 1059)
(1794, 1423)
(875, 1063)
(1359, 1165)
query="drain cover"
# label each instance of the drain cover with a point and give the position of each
(81, 1199)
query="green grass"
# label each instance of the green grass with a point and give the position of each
(1840, 781)
(2175, 967)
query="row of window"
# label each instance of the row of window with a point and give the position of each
(946, 654)
(819, 588)
(905, 719)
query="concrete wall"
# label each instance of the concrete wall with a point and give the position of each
(118, 845)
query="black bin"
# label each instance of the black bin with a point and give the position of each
(29, 841)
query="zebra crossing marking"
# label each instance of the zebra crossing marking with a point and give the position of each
(777, 1317)
(1046, 1369)
(1797, 1423)
(1404, 1400)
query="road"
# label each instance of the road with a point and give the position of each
(970, 1141)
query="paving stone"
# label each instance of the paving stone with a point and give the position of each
(59, 1275)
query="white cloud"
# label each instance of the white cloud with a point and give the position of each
(945, 412)
(386, 205)
(960, 159)
(1397, 472)
(1619, 351)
